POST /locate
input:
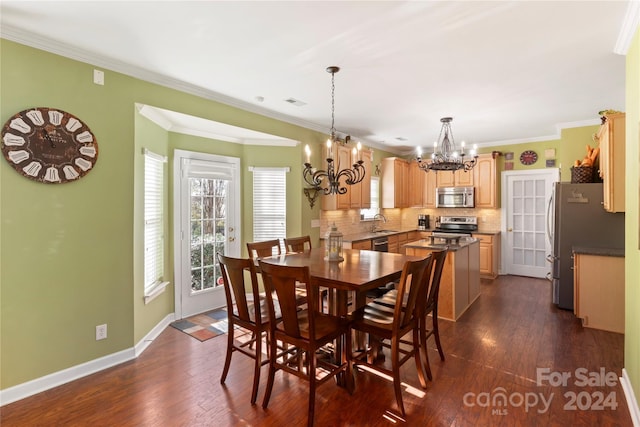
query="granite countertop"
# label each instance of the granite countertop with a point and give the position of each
(439, 244)
(368, 235)
(588, 250)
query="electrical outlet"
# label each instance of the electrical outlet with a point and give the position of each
(101, 332)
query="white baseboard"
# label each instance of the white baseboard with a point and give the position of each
(153, 334)
(21, 391)
(632, 402)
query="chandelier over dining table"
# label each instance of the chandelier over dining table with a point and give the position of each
(445, 156)
(329, 181)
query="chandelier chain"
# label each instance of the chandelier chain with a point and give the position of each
(333, 179)
(447, 157)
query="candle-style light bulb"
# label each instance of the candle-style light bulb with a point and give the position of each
(329, 148)
(419, 150)
(307, 150)
(435, 147)
(474, 150)
(359, 147)
(462, 147)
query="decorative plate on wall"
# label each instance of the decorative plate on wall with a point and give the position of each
(528, 157)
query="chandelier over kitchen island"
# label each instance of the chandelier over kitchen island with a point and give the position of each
(445, 157)
(329, 181)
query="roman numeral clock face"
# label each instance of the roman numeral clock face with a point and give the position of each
(49, 145)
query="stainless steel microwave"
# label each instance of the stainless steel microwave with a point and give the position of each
(455, 197)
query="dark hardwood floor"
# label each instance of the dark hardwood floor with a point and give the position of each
(493, 351)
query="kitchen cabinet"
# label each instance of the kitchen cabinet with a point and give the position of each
(396, 242)
(598, 283)
(395, 192)
(611, 140)
(489, 255)
(460, 281)
(429, 189)
(403, 239)
(486, 185)
(415, 183)
(393, 243)
(358, 196)
(362, 244)
(459, 178)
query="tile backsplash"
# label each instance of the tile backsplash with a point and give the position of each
(348, 221)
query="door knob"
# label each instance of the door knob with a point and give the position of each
(509, 229)
(232, 239)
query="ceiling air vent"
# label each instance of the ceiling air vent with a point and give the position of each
(295, 102)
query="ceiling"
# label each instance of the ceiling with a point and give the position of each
(506, 71)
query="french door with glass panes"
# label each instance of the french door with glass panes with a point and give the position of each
(207, 210)
(525, 242)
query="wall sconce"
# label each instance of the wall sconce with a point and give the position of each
(312, 194)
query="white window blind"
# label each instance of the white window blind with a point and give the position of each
(375, 200)
(269, 203)
(153, 220)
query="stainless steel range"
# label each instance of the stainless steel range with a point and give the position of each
(462, 225)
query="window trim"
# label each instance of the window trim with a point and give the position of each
(257, 215)
(157, 287)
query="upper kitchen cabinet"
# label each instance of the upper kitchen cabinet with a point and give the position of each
(394, 180)
(357, 196)
(485, 178)
(459, 178)
(365, 185)
(611, 139)
(416, 183)
(429, 189)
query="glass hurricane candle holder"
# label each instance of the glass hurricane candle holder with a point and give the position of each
(333, 245)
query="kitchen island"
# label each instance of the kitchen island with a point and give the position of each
(460, 282)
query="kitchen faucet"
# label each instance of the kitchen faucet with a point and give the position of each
(377, 217)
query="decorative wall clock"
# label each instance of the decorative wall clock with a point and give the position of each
(49, 145)
(528, 157)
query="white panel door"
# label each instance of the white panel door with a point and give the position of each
(525, 241)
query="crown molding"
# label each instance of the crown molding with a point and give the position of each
(33, 40)
(628, 28)
(43, 43)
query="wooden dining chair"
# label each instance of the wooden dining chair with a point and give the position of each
(384, 323)
(431, 307)
(247, 309)
(264, 248)
(269, 248)
(297, 244)
(428, 307)
(307, 330)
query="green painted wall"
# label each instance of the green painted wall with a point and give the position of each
(632, 254)
(149, 136)
(570, 147)
(71, 253)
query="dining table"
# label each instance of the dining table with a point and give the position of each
(359, 271)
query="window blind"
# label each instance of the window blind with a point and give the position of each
(375, 200)
(153, 219)
(269, 203)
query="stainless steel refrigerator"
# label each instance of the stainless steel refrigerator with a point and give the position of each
(579, 220)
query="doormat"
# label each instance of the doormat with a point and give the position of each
(204, 326)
